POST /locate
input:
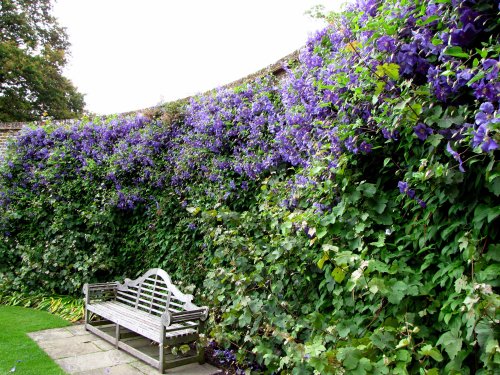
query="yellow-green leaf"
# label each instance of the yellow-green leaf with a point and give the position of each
(338, 274)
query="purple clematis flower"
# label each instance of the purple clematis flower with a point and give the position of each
(492, 67)
(464, 37)
(421, 203)
(487, 90)
(365, 147)
(350, 144)
(484, 117)
(482, 138)
(456, 156)
(386, 44)
(404, 189)
(422, 131)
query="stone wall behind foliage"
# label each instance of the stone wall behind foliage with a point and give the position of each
(11, 129)
(7, 131)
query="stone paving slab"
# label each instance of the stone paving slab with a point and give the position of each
(115, 370)
(50, 334)
(76, 349)
(81, 353)
(93, 361)
(191, 369)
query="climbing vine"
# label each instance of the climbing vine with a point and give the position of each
(340, 220)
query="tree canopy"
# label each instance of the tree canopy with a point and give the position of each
(33, 49)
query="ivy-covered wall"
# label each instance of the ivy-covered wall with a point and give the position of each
(341, 219)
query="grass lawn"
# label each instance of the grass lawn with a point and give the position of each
(17, 349)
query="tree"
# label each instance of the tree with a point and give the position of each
(33, 50)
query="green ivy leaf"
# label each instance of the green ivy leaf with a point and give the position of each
(322, 261)
(364, 367)
(448, 121)
(451, 343)
(380, 205)
(338, 274)
(321, 233)
(349, 357)
(314, 349)
(255, 305)
(455, 51)
(397, 292)
(390, 70)
(403, 355)
(367, 189)
(345, 258)
(383, 339)
(428, 350)
(434, 139)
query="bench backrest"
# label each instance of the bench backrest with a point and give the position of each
(154, 293)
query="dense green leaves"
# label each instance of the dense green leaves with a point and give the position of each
(340, 221)
(32, 55)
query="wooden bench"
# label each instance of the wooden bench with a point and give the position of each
(139, 315)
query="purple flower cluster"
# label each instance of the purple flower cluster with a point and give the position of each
(405, 189)
(386, 44)
(225, 357)
(321, 109)
(485, 118)
(469, 27)
(119, 155)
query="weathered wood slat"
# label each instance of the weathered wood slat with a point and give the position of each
(131, 312)
(160, 300)
(146, 289)
(144, 328)
(131, 303)
(160, 286)
(141, 321)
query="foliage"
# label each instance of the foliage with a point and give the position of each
(21, 354)
(32, 55)
(66, 307)
(340, 220)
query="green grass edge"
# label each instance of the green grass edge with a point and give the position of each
(18, 349)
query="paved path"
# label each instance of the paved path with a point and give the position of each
(80, 352)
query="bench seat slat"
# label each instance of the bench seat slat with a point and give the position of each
(139, 321)
(127, 321)
(140, 315)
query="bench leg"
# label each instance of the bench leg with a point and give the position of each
(117, 335)
(86, 317)
(200, 348)
(162, 350)
(201, 354)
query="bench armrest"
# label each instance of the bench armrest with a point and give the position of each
(91, 290)
(170, 317)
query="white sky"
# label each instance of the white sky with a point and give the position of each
(132, 54)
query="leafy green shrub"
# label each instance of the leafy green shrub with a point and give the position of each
(66, 307)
